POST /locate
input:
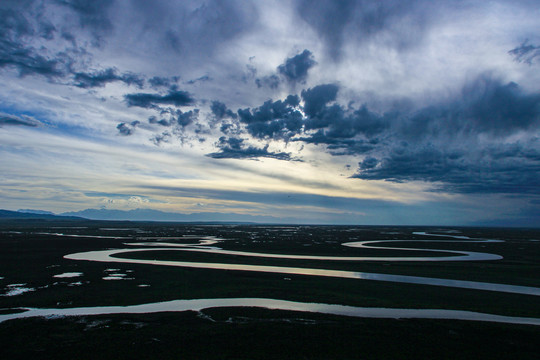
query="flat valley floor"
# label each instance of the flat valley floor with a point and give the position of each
(91, 289)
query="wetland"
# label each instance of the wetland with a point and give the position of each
(267, 279)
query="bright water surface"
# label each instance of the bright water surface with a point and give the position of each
(200, 304)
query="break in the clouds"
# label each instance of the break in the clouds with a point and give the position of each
(429, 105)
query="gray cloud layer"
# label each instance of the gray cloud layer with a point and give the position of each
(395, 23)
(463, 145)
(156, 58)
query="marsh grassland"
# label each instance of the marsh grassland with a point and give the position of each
(38, 270)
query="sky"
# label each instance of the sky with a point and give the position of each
(331, 112)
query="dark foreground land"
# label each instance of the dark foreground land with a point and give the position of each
(31, 253)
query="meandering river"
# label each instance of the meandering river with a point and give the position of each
(205, 242)
(201, 304)
(205, 245)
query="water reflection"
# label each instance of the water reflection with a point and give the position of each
(112, 256)
(201, 304)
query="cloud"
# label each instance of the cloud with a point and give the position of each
(164, 137)
(295, 69)
(187, 118)
(16, 27)
(220, 111)
(203, 78)
(145, 100)
(14, 120)
(158, 82)
(270, 81)
(468, 144)
(194, 29)
(393, 23)
(92, 15)
(162, 122)
(235, 148)
(275, 120)
(103, 77)
(483, 142)
(176, 117)
(509, 168)
(127, 129)
(315, 99)
(526, 53)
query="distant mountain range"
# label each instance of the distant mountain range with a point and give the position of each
(7, 214)
(156, 215)
(139, 215)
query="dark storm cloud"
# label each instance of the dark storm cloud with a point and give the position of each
(103, 77)
(295, 69)
(25, 24)
(276, 120)
(220, 111)
(401, 22)
(187, 118)
(14, 120)
(145, 100)
(491, 170)
(368, 163)
(500, 108)
(465, 145)
(461, 145)
(335, 124)
(271, 81)
(526, 53)
(329, 19)
(92, 15)
(315, 99)
(158, 82)
(487, 106)
(192, 29)
(17, 26)
(235, 148)
(27, 62)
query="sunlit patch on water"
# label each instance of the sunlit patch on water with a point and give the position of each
(68, 275)
(17, 289)
(117, 276)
